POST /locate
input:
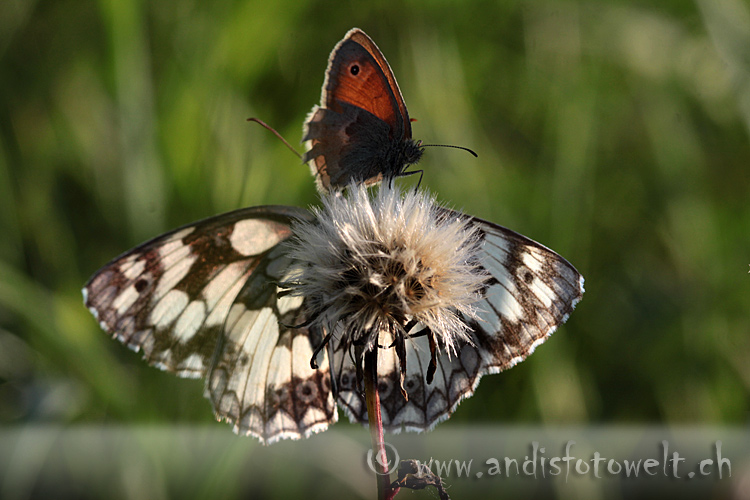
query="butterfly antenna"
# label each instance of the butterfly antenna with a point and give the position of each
(268, 127)
(449, 146)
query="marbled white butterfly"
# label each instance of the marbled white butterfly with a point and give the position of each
(205, 300)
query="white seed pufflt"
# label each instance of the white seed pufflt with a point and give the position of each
(377, 268)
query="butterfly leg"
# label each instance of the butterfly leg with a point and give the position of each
(323, 344)
(433, 358)
(314, 316)
(407, 328)
(406, 174)
(301, 325)
(333, 376)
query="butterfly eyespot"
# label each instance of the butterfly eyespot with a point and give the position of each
(345, 381)
(141, 285)
(354, 69)
(384, 386)
(528, 277)
(306, 391)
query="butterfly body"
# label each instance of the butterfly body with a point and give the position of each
(361, 131)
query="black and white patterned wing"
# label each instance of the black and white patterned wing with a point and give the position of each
(261, 379)
(531, 290)
(202, 301)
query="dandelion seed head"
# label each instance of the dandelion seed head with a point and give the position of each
(373, 263)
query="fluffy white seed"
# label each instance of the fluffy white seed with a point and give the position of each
(371, 263)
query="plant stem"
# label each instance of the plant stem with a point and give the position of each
(385, 492)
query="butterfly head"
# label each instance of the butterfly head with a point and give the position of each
(412, 152)
(408, 152)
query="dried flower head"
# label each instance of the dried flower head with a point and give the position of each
(377, 268)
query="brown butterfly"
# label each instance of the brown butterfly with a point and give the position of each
(361, 131)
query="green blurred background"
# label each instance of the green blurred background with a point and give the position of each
(614, 132)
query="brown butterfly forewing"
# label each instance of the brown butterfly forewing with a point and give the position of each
(361, 131)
